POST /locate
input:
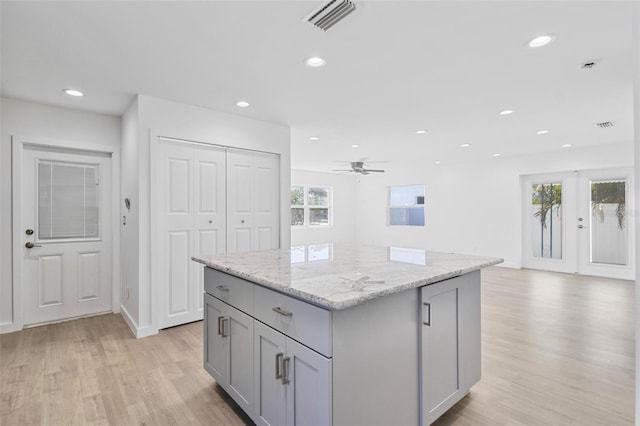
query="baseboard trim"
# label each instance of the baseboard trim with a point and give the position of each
(138, 332)
(10, 327)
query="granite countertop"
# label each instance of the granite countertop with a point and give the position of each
(338, 276)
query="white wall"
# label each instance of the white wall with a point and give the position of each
(343, 228)
(32, 120)
(129, 233)
(157, 117)
(636, 118)
(470, 208)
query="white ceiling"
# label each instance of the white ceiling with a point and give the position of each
(393, 67)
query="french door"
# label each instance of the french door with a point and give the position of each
(578, 222)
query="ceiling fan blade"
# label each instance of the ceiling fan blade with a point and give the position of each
(341, 170)
(373, 170)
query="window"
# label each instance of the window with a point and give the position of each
(310, 205)
(68, 201)
(406, 205)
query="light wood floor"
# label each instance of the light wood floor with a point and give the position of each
(557, 350)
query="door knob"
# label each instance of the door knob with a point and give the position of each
(30, 245)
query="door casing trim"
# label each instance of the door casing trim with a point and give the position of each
(18, 144)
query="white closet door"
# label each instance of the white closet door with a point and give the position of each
(253, 185)
(194, 224)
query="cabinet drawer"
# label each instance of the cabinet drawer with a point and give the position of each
(306, 323)
(233, 290)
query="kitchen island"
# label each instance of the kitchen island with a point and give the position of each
(343, 334)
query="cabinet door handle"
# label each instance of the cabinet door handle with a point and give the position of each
(278, 364)
(427, 315)
(285, 370)
(220, 325)
(282, 312)
(222, 288)
(222, 322)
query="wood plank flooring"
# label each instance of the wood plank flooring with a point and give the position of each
(557, 350)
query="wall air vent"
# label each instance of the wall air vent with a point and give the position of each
(605, 124)
(329, 14)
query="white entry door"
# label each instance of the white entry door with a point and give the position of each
(66, 223)
(193, 223)
(253, 201)
(577, 222)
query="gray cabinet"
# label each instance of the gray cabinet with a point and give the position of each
(402, 359)
(228, 350)
(450, 343)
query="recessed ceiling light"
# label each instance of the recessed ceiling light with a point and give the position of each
(314, 138)
(497, 154)
(420, 132)
(540, 41)
(242, 104)
(506, 112)
(73, 92)
(314, 62)
(355, 146)
(437, 162)
(566, 145)
(465, 145)
(542, 132)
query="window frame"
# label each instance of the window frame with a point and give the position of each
(407, 206)
(307, 207)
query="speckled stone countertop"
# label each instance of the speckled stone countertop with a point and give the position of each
(338, 276)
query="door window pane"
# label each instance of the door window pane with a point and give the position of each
(68, 200)
(609, 236)
(546, 216)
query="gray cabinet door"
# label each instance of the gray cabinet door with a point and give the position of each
(440, 373)
(309, 401)
(270, 392)
(215, 346)
(450, 346)
(239, 380)
(228, 350)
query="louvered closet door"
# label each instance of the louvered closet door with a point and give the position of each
(66, 225)
(194, 224)
(253, 183)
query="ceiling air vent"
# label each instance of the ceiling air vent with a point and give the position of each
(327, 15)
(605, 124)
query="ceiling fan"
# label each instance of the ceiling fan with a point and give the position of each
(358, 167)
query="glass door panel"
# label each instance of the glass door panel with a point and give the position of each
(609, 240)
(546, 217)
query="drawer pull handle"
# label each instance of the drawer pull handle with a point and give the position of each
(278, 363)
(282, 312)
(222, 288)
(285, 370)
